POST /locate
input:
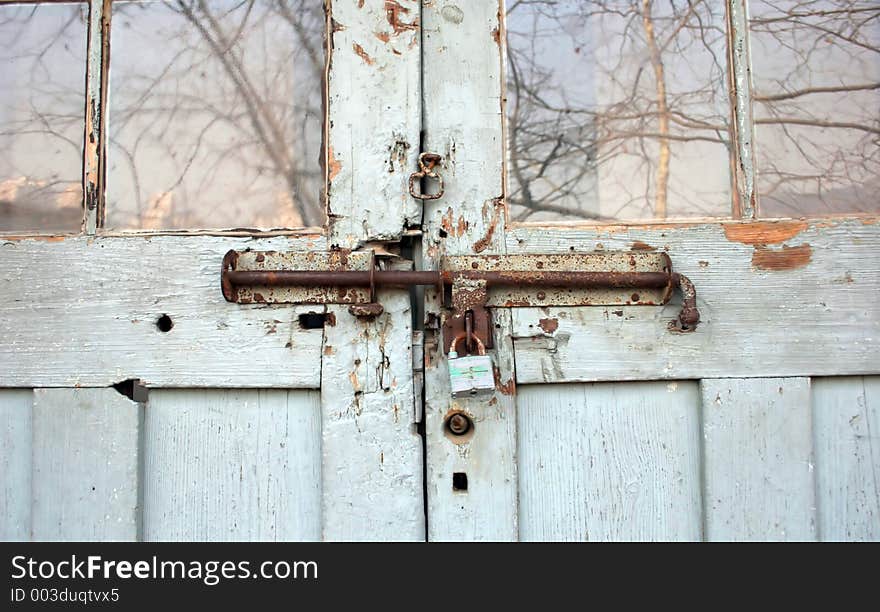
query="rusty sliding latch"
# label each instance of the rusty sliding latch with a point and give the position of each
(470, 284)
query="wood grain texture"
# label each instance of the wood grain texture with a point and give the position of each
(371, 452)
(16, 438)
(615, 461)
(374, 105)
(819, 319)
(85, 465)
(758, 459)
(463, 123)
(83, 311)
(846, 417)
(223, 465)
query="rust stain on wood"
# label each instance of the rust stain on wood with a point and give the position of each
(638, 245)
(483, 243)
(393, 13)
(548, 325)
(508, 388)
(764, 232)
(331, 319)
(363, 54)
(383, 36)
(786, 258)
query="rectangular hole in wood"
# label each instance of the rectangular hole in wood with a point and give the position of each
(459, 481)
(312, 320)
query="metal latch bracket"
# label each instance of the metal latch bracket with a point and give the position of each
(471, 285)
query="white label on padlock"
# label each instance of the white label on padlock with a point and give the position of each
(460, 376)
(471, 375)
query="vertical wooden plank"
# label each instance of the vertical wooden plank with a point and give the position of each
(372, 458)
(374, 118)
(609, 461)
(226, 465)
(16, 436)
(846, 416)
(85, 465)
(758, 459)
(463, 102)
(743, 132)
(96, 105)
(372, 454)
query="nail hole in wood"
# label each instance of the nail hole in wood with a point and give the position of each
(164, 323)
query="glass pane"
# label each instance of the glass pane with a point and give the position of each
(617, 109)
(42, 109)
(817, 105)
(215, 114)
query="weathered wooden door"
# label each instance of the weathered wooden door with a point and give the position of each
(136, 403)
(739, 138)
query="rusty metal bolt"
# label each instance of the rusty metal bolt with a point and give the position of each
(459, 424)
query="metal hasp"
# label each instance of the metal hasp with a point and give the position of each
(470, 284)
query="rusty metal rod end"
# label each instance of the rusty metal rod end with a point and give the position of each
(689, 317)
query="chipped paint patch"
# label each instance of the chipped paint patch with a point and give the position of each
(333, 164)
(363, 54)
(508, 388)
(638, 245)
(483, 243)
(548, 325)
(452, 14)
(393, 12)
(38, 238)
(786, 258)
(764, 232)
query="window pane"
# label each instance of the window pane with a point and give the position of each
(42, 109)
(817, 105)
(617, 109)
(215, 114)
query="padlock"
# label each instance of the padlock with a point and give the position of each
(471, 375)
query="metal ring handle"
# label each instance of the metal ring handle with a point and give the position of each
(427, 162)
